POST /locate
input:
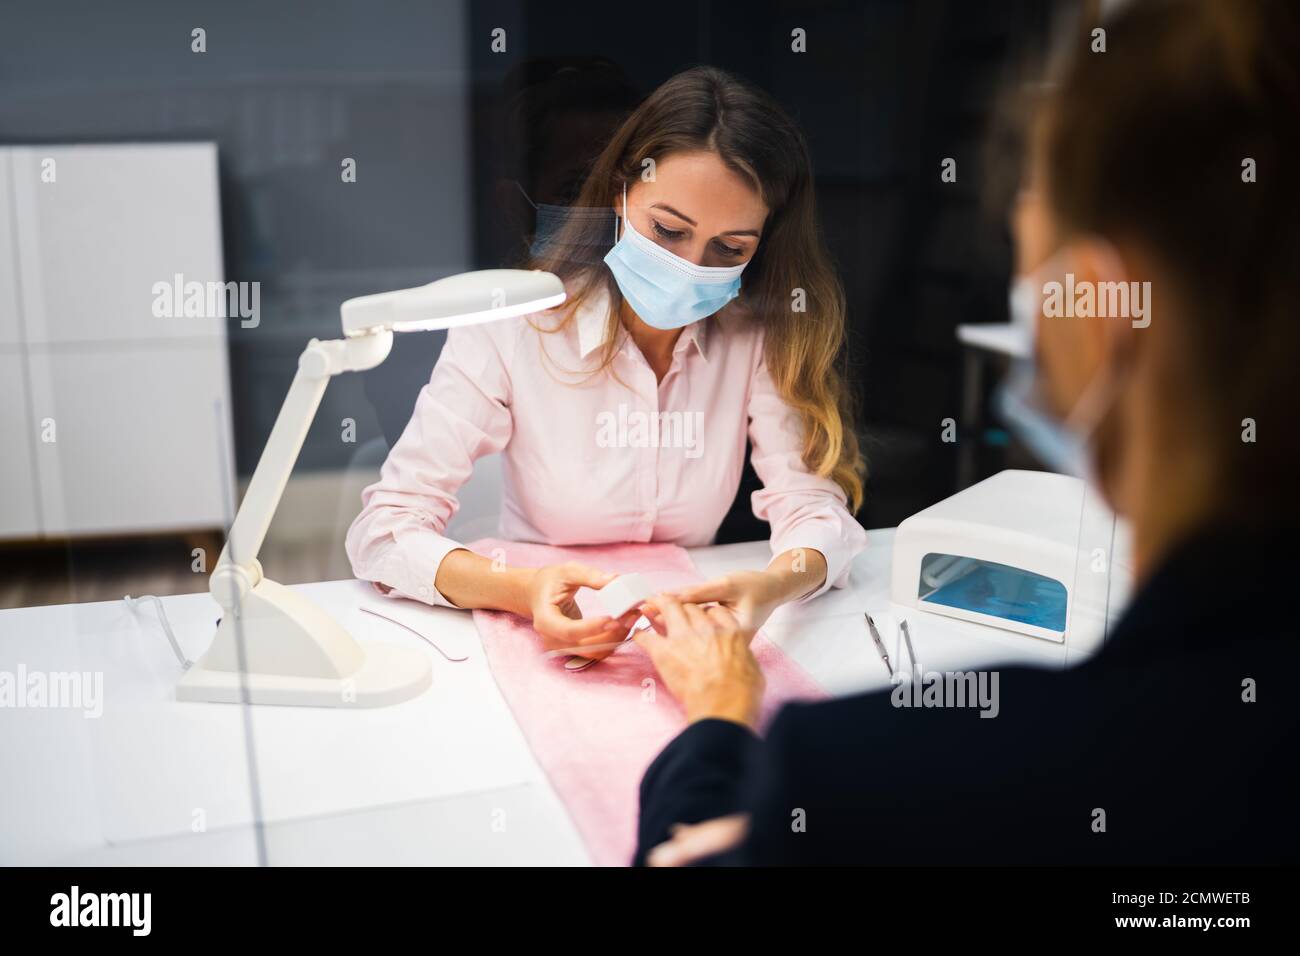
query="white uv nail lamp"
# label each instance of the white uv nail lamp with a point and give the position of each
(1003, 552)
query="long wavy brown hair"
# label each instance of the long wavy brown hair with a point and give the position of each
(706, 109)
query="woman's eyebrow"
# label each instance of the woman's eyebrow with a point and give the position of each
(667, 208)
(732, 232)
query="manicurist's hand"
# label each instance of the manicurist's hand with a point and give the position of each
(704, 660)
(752, 596)
(556, 617)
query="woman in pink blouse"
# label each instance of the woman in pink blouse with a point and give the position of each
(623, 416)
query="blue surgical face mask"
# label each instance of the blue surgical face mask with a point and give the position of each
(1060, 444)
(665, 290)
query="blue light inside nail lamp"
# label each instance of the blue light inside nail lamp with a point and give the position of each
(997, 590)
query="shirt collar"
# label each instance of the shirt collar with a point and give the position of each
(592, 318)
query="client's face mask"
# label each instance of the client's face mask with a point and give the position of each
(1062, 444)
(665, 290)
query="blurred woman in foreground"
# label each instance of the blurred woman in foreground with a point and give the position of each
(1170, 159)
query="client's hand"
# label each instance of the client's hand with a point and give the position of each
(704, 659)
(690, 843)
(558, 620)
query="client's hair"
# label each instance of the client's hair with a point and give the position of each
(1148, 142)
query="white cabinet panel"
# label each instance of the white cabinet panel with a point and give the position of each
(137, 405)
(114, 221)
(19, 516)
(10, 321)
(139, 437)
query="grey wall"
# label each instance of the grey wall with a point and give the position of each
(286, 90)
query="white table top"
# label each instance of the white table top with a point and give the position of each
(446, 778)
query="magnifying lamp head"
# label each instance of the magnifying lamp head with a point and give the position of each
(465, 299)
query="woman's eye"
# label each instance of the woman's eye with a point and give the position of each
(668, 234)
(727, 250)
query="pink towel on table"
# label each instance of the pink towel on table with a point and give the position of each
(595, 731)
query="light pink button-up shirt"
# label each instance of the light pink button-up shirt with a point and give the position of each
(615, 458)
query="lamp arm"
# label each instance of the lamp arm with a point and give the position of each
(237, 570)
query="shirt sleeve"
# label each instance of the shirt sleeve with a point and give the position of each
(696, 777)
(462, 414)
(805, 510)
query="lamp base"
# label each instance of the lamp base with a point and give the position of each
(283, 649)
(385, 678)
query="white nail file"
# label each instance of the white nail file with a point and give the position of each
(624, 593)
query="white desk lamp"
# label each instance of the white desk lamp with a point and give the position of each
(274, 646)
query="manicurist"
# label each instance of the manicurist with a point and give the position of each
(702, 310)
